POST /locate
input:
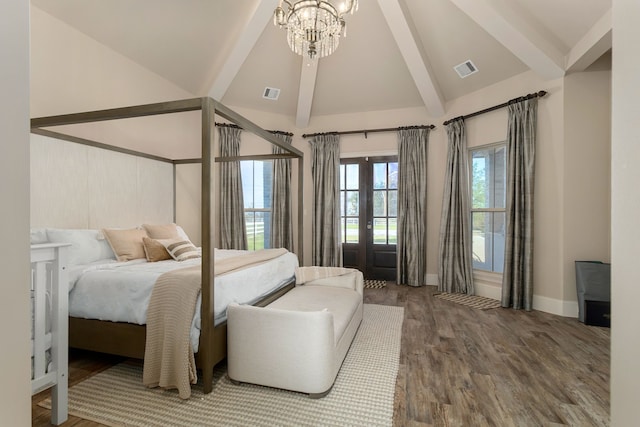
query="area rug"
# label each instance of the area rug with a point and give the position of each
(474, 301)
(375, 284)
(362, 395)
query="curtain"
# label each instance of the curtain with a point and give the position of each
(412, 207)
(455, 272)
(325, 169)
(233, 233)
(517, 278)
(281, 217)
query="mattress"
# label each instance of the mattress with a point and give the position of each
(120, 291)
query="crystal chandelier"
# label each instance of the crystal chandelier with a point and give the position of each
(313, 27)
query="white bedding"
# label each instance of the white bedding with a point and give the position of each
(120, 291)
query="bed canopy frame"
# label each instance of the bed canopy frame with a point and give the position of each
(127, 339)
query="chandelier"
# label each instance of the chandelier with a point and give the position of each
(313, 27)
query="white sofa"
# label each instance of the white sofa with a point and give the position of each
(299, 341)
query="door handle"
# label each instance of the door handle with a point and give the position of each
(369, 225)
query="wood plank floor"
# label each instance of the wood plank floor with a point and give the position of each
(461, 366)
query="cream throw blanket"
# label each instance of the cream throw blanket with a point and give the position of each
(307, 274)
(168, 358)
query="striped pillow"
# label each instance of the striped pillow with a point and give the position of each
(180, 249)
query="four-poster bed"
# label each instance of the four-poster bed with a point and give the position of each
(128, 339)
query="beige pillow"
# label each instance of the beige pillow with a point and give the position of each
(126, 244)
(161, 231)
(154, 250)
(180, 249)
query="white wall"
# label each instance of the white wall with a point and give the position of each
(78, 186)
(189, 200)
(587, 170)
(15, 392)
(71, 72)
(625, 211)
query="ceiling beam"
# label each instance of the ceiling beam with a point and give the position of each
(592, 46)
(248, 38)
(308, 73)
(417, 64)
(513, 31)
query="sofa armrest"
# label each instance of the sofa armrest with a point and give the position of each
(353, 280)
(286, 341)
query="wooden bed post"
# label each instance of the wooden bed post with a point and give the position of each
(300, 210)
(208, 275)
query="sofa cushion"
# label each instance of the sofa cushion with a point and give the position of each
(341, 302)
(348, 281)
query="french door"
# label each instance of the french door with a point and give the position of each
(368, 215)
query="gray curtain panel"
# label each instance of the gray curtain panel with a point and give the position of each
(517, 279)
(233, 233)
(325, 170)
(455, 272)
(281, 217)
(412, 206)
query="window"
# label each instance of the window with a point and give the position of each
(384, 194)
(256, 188)
(350, 203)
(488, 202)
(385, 203)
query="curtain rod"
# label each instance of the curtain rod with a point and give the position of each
(367, 131)
(539, 94)
(232, 125)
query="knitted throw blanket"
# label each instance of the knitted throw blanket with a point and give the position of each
(231, 264)
(307, 274)
(168, 358)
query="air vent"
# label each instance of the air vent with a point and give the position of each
(271, 93)
(466, 69)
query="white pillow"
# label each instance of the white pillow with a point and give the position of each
(38, 235)
(86, 245)
(182, 233)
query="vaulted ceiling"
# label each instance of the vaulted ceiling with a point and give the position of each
(397, 53)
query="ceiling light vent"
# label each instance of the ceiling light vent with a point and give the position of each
(466, 69)
(271, 93)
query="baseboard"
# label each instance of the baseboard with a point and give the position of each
(488, 291)
(540, 303)
(555, 306)
(484, 288)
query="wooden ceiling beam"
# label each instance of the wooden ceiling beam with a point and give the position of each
(308, 74)
(592, 46)
(416, 61)
(514, 32)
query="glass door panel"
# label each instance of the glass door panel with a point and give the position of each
(368, 215)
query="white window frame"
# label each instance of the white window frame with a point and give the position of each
(254, 210)
(487, 273)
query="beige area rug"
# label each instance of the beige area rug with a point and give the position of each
(375, 284)
(363, 394)
(474, 301)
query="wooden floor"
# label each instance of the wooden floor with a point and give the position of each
(461, 366)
